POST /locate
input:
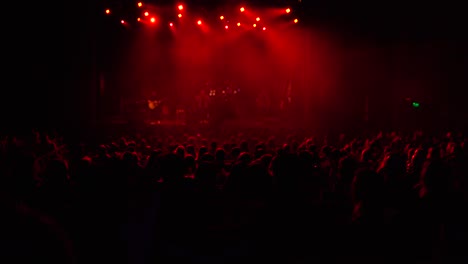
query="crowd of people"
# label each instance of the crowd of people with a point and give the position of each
(165, 198)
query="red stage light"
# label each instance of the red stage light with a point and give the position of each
(238, 24)
(138, 19)
(122, 21)
(146, 14)
(221, 17)
(264, 28)
(242, 9)
(254, 25)
(170, 24)
(107, 11)
(179, 15)
(258, 19)
(140, 4)
(288, 10)
(226, 27)
(296, 20)
(199, 22)
(153, 20)
(181, 7)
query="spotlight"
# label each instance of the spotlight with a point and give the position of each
(138, 19)
(254, 25)
(226, 27)
(140, 4)
(242, 9)
(122, 21)
(170, 24)
(264, 28)
(146, 14)
(153, 20)
(296, 20)
(199, 22)
(221, 17)
(258, 19)
(107, 11)
(181, 7)
(179, 15)
(288, 10)
(238, 24)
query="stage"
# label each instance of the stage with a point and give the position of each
(230, 127)
(257, 123)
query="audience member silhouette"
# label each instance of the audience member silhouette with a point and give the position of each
(242, 197)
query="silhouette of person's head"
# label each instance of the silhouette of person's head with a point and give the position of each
(245, 158)
(191, 150)
(236, 151)
(202, 151)
(220, 155)
(180, 152)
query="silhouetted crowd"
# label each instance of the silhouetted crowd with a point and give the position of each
(242, 198)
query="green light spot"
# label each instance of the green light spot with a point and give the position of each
(415, 104)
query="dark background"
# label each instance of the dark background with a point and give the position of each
(49, 59)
